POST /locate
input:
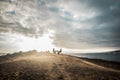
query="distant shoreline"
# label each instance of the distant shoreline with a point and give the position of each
(101, 56)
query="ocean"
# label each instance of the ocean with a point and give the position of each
(2, 54)
(103, 56)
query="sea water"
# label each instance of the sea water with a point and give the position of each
(103, 56)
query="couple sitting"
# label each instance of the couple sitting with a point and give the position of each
(57, 51)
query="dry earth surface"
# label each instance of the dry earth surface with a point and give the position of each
(48, 66)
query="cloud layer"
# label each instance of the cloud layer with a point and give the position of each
(77, 24)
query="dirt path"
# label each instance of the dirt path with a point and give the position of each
(44, 57)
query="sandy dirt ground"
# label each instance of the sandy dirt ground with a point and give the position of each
(48, 66)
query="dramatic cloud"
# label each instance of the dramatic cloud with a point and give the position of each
(77, 24)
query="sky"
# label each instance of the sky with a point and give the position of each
(73, 25)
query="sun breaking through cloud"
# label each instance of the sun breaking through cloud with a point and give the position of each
(74, 24)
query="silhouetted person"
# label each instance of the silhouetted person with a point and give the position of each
(60, 51)
(54, 51)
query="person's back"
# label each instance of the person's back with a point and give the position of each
(54, 51)
(60, 51)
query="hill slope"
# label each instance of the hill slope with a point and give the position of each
(47, 66)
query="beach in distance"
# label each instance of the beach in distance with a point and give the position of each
(34, 65)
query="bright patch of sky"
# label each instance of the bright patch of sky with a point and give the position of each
(75, 25)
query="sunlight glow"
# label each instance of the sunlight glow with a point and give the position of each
(40, 44)
(26, 43)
